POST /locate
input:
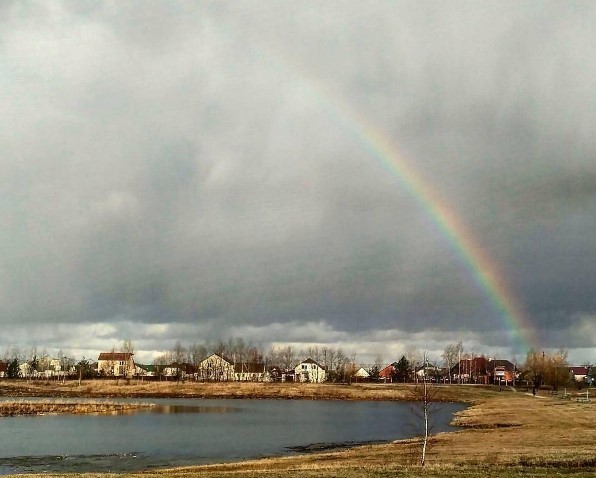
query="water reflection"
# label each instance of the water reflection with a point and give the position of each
(167, 409)
(173, 409)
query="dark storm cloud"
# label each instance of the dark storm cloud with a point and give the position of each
(178, 165)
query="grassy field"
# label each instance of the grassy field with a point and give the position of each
(133, 388)
(503, 434)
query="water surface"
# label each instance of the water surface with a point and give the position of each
(179, 432)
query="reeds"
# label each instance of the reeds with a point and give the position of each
(26, 407)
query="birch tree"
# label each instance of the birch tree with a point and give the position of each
(424, 396)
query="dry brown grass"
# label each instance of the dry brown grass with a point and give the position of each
(21, 407)
(133, 388)
(503, 434)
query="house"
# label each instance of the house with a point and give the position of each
(361, 375)
(144, 370)
(428, 372)
(178, 370)
(251, 372)
(501, 372)
(277, 374)
(471, 370)
(115, 364)
(3, 369)
(387, 374)
(579, 374)
(309, 371)
(216, 367)
(25, 370)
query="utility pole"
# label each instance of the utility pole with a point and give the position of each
(459, 366)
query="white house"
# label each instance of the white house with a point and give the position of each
(116, 364)
(361, 374)
(309, 371)
(215, 368)
(579, 374)
(144, 370)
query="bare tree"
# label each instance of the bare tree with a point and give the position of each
(160, 363)
(129, 348)
(196, 354)
(288, 357)
(449, 356)
(413, 357)
(424, 396)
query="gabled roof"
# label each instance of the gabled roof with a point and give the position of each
(309, 360)
(362, 373)
(115, 356)
(222, 357)
(506, 364)
(579, 370)
(388, 370)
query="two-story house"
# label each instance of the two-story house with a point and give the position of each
(309, 371)
(116, 364)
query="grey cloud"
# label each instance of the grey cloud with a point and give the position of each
(197, 164)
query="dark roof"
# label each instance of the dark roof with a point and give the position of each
(506, 364)
(113, 356)
(3, 366)
(309, 360)
(579, 370)
(476, 365)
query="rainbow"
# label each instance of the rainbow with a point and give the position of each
(481, 267)
(474, 257)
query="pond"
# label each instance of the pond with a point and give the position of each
(179, 432)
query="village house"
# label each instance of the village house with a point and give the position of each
(277, 374)
(215, 368)
(387, 374)
(428, 372)
(501, 372)
(142, 370)
(25, 370)
(3, 369)
(309, 371)
(116, 364)
(471, 370)
(580, 374)
(361, 375)
(180, 371)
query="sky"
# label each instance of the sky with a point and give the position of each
(376, 176)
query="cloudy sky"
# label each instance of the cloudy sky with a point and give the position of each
(191, 171)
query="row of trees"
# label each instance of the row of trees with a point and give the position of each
(339, 365)
(540, 368)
